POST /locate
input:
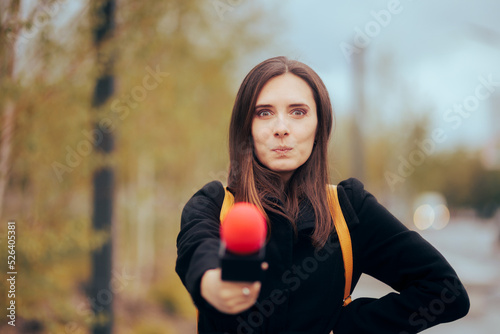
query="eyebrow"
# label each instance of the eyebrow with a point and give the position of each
(293, 105)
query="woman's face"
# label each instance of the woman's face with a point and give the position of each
(284, 124)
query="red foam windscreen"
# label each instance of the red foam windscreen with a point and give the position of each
(244, 229)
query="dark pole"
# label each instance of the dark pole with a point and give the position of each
(359, 114)
(101, 292)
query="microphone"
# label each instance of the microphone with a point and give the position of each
(243, 234)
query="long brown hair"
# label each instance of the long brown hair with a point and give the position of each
(251, 181)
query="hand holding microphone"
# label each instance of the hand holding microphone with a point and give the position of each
(235, 286)
(228, 297)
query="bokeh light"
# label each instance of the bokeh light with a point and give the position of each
(442, 217)
(424, 217)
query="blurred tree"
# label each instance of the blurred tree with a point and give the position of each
(175, 84)
(457, 173)
(485, 193)
(9, 29)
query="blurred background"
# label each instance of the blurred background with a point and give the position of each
(415, 87)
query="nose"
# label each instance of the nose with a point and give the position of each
(280, 128)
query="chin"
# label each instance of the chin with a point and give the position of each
(282, 169)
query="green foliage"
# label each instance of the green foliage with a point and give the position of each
(458, 174)
(177, 65)
(173, 297)
(174, 64)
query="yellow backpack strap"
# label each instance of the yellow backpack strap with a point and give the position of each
(340, 227)
(226, 205)
(344, 239)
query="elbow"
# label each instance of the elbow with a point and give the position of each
(462, 306)
(455, 299)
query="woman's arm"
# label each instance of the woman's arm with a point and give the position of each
(430, 291)
(197, 264)
(198, 241)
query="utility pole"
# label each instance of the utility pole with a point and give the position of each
(101, 292)
(358, 116)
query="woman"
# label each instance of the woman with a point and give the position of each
(278, 138)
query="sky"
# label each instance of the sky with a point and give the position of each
(437, 52)
(419, 54)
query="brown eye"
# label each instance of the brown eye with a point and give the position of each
(263, 113)
(298, 112)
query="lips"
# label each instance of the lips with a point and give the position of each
(282, 149)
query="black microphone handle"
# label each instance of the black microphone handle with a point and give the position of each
(241, 268)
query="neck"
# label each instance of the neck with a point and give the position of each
(285, 176)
